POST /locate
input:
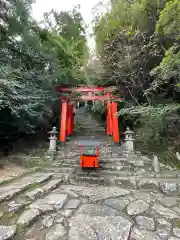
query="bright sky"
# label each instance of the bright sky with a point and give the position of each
(42, 6)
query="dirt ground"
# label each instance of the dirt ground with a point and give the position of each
(11, 170)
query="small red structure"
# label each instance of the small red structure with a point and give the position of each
(89, 153)
(67, 116)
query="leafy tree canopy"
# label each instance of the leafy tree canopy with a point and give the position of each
(34, 58)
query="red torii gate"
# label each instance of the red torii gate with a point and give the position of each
(67, 114)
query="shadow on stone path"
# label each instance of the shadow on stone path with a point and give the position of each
(123, 200)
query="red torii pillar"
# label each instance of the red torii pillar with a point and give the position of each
(109, 117)
(64, 111)
(67, 121)
(70, 120)
(112, 120)
(115, 124)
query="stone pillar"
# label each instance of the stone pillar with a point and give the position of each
(52, 140)
(129, 140)
(156, 164)
(178, 155)
(93, 105)
(77, 104)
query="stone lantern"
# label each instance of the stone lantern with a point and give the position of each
(77, 104)
(156, 164)
(52, 140)
(129, 140)
(86, 104)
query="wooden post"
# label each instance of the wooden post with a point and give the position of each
(70, 116)
(73, 116)
(109, 117)
(62, 137)
(116, 137)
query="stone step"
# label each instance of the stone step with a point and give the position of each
(102, 157)
(62, 170)
(37, 192)
(102, 166)
(102, 152)
(106, 164)
(101, 161)
(65, 159)
(73, 146)
(164, 185)
(124, 161)
(59, 172)
(91, 126)
(117, 169)
(110, 164)
(107, 157)
(138, 173)
(48, 204)
(8, 191)
(97, 129)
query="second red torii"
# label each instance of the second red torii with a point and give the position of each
(67, 116)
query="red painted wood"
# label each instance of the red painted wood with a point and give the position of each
(73, 116)
(116, 137)
(80, 89)
(89, 161)
(101, 98)
(86, 98)
(109, 116)
(69, 121)
(62, 137)
(67, 116)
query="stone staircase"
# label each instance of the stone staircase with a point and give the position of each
(117, 166)
(124, 199)
(124, 170)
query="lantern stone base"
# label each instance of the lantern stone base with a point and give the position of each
(50, 155)
(51, 151)
(129, 143)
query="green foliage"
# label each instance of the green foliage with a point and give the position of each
(99, 107)
(70, 26)
(153, 134)
(160, 110)
(169, 20)
(138, 45)
(145, 14)
(117, 18)
(129, 46)
(168, 69)
(32, 60)
(152, 129)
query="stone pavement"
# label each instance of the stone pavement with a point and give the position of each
(123, 200)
